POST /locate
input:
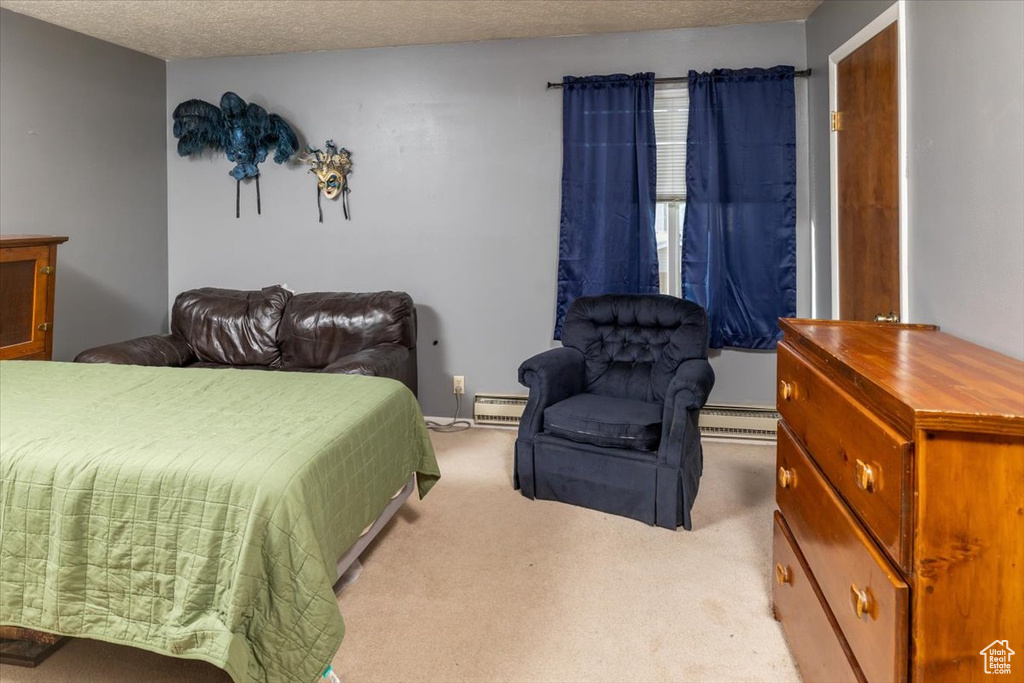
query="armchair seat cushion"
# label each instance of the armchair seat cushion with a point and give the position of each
(606, 421)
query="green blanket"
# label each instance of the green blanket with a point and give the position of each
(196, 513)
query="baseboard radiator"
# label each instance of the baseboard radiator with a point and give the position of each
(503, 410)
(738, 422)
(731, 422)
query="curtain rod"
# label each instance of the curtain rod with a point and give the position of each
(683, 79)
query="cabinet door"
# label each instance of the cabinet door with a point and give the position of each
(24, 278)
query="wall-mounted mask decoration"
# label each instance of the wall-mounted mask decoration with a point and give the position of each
(331, 166)
(244, 132)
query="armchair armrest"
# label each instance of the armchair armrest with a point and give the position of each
(691, 385)
(551, 376)
(680, 459)
(686, 395)
(383, 360)
(168, 350)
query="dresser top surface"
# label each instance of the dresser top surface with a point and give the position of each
(31, 240)
(941, 379)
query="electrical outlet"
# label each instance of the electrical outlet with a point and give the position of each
(459, 384)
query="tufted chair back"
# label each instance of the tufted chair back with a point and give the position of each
(633, 343)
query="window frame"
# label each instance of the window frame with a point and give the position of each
(675, 204)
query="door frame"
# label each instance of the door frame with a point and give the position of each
(896, 13)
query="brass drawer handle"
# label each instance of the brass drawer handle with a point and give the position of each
(783, 575)
(787, 478)
(867, 476)
(860, 599)
(787, 390)
(44, 327)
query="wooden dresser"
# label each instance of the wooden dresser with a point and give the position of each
(899, 540)
(28, 271)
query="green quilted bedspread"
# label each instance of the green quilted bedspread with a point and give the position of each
(196, 513)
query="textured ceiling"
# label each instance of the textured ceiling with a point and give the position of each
(181, 29)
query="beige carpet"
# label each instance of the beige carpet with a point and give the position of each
(477, 583)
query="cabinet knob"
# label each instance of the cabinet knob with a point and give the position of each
(860, 600)
(867, 477)
(783, 575)
(787, 478)
(44, 327)
(786, 390)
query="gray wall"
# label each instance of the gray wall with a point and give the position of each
(83, 154)
(829, 26)
(455, 191)
(966, 169)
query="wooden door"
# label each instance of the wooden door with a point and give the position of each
(867, 130)
(24, 282)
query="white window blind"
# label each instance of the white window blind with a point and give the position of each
(671, 113)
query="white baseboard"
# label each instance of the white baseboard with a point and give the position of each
(706, 439)
(446, 419)
(737, 441)
(471, 421)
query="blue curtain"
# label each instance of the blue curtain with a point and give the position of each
(739, 229)
(607, 244)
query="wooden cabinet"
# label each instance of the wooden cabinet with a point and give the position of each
(28, 271)
(28, 275)
(901, 503)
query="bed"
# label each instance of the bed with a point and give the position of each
(196, 513)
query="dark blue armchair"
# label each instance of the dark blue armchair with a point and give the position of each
(611, 422)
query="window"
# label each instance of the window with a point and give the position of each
(671, 112)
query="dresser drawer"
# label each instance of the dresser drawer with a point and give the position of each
(867, 597)
(866, 461)
(818, 648)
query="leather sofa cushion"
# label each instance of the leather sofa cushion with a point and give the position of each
(606, 421)
(218, 366)
(320, 328)
(231, 327)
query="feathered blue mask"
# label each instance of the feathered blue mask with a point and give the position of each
(245, 132)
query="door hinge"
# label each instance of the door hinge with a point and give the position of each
(46, 270)
(837, 120)
(44, 327)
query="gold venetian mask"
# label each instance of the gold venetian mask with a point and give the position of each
(332, 166)
(331, 182)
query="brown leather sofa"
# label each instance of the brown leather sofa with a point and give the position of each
(274, 329)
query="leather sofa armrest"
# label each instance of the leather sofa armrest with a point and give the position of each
(383, 360)
(551, 376)
(168, 350)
